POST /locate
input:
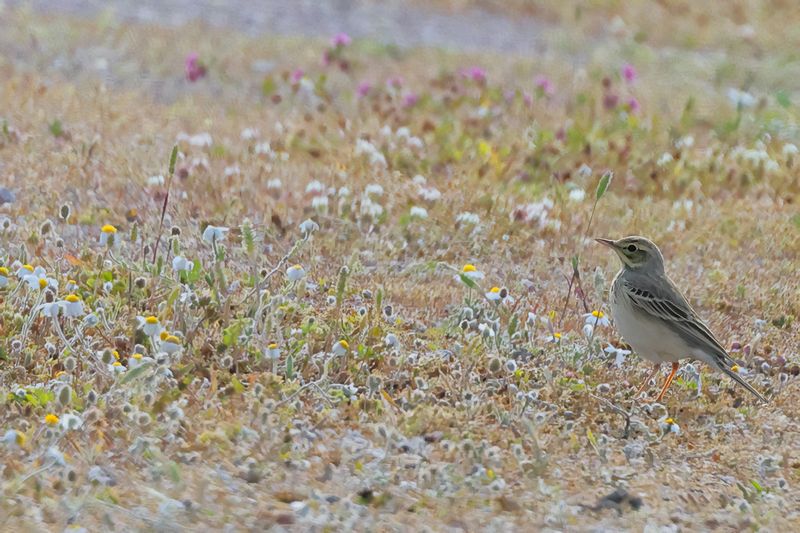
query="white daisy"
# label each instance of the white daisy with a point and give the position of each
(295, 272)
(340, 348)
(214, 234)
(108, 236)
(181, 264)
(596, 318)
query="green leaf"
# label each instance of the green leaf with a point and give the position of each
(172, 159)
(289, 367)
(130, 375)
(231, 334)
(591, 437)
(756, 485)
(174, 471)
(268, 86)
(605, 181)
(468, 281)
(56, 128)
(238, 388)
(783, 99)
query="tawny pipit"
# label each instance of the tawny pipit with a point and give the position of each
(655, 319)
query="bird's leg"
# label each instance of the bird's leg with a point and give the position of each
(649, 377)
(669, 381)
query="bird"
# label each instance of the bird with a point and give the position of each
(653, 316)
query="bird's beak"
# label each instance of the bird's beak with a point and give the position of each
(606, 242)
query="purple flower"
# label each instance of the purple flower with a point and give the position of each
(629, 73)
(410, 100)
(544, 85)
(363, 89)
(297, 75)
(610, 101)
(341, 40)
(395, 82)
(193, 67)
(527, 98)
(633, 105)
(476, 74)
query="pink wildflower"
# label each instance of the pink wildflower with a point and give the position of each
(629, 73)
(297, 75)
(363, 89)
(340, 40)
(633, 105)
(410, 100)
(193, 67)
(476, 74)
(544, 85)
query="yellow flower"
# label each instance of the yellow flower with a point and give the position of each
(3, 271)
(151, 320)
(72, 298)
(108, 228)
(42, 283)
(598, 314)
(51, 419)
(669, 421)
(116, 363)
(272, 346)
(29, 268)
(170, 338)
(116, 354)
(494, 289)
(557, 335)
(735, 368)
(468, 268)
(136, 356)
(343, 343)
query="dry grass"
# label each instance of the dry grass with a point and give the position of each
(435, 430)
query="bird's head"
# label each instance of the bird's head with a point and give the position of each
(637, 253)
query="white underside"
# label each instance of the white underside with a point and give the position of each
(649, 338)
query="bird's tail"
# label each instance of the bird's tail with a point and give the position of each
(740, 380)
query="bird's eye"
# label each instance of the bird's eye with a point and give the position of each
(631, 248)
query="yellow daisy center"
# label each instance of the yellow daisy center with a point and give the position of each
(598, 314)
(29, 268)
(116, 363)
(136, 356)
(494, 289)
(164, 335)
(343, 343)
(272, 346)
(735, 368)
(116, 354)
(469, 268)
(172, 338)
(151, 320)
(3, 271)
(108, 228)
(42, 283)
(51, 419)
(72, 298)
(557, 335)
(669, 421)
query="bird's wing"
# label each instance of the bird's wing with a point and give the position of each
(663, 301)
